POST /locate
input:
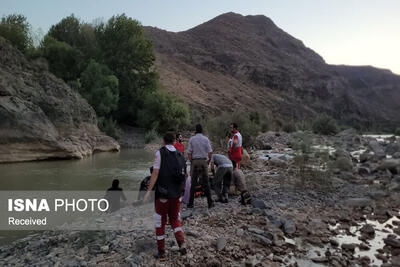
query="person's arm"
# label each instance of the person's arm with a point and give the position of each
(154, 176)
(190, 151)
(209, 157)
(235, 141)
(212, 168)
(153, 180)
(209, 151)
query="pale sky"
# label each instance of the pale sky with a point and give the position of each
(353, 32)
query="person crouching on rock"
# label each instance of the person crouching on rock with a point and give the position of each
(168, 178)
(222, 176)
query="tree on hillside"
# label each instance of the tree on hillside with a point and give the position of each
(67, 30)
(16, 29)
(64, 60)
(100, 88)
(77, 34)
(110, 64)
(130, 55)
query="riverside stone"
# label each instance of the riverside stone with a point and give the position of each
(221, 243)
(257, 203)
(289, 227)
(368, 229)
(41, 116)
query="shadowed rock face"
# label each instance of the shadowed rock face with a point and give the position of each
(40, 116)
(236, 61)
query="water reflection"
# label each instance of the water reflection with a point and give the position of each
(92, 173)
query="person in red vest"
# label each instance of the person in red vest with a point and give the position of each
(179, 144)
(235, 145)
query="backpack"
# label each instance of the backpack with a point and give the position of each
(172, 176)
(175, 164)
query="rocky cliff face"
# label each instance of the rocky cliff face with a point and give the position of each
(40, 116)
(248, 62)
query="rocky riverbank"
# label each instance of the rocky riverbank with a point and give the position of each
(317, 201)
(41, 117)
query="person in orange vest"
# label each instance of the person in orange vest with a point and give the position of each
(235, 145)
(179, 144)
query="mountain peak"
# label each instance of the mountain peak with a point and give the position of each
(234, 60)
(232, 19)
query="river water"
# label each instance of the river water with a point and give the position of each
(95, 173)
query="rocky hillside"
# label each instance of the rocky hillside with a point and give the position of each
(236, 61)
(40, 116)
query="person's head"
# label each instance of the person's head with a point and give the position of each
(234, 127)
(234, 164)
(199, 128)
(169, 138)
(151, 169)
(179, 137)
(115, 183)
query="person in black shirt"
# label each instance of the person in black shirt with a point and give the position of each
(114, 196)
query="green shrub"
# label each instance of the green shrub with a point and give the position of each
(196, 116)
(162, 112)
(255, 117)
(325, 125)
(150, 136)
(304, 125)
(109, 127)
(265, 127)
(16, 29)
(397, 131)
(218, 128)
(289, 127)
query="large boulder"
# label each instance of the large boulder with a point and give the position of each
(276, 162)
(359, 202)
(377, 149)
(393, 165)
(41, 117)
(343, 164)
(392, 148)
(350, 137)
(394, 184)
(246, 161)
(364, 157)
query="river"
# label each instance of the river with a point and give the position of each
(130, 166)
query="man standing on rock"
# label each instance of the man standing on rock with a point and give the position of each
(168, 177)
(235, 145)
(199, 153)
(222, 177)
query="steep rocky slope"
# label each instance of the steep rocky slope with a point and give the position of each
(40, 116)
(235, 61)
